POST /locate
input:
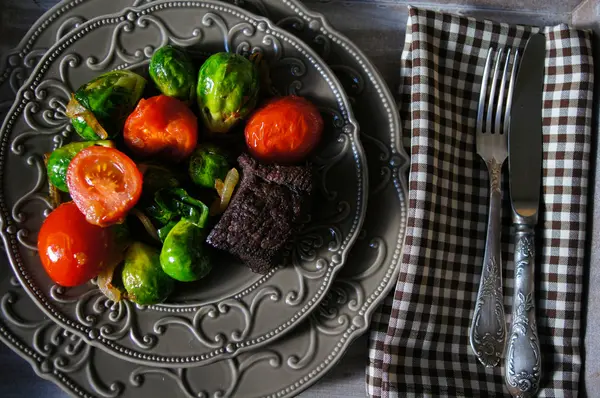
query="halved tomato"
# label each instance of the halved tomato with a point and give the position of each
(161, 126)
(104, 184)
(72, 250)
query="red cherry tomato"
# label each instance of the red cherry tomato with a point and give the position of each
(72, 250)
(104, 184)
(163, 127)
(285, 130)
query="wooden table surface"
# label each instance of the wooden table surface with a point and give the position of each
(377, 27)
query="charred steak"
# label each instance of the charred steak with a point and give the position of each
(263, 213)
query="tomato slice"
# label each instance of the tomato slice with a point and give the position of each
(161, 126)
(104, 184)
(72, 250)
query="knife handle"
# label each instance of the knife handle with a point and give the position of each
(523, 357)
(488, 327)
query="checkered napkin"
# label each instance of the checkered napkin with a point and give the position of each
(419, 339)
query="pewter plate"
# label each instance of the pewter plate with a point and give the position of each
(233, 310)
(297, 360)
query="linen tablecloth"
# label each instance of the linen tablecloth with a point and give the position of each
(419, 342)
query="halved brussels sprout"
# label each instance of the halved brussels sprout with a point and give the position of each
(99, 108)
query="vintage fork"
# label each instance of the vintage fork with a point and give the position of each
(488, 328)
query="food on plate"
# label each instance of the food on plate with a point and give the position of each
(162, 127)
(157, 177)
(227, 91)
(263, 213)
(105, 282)
(158, 195)
(72, 250)
(143, 277)
(105, 279)
(185, 256)
(207, 164)
(284, 131)
(225, 190)
(169, 205)
(99, 108)
(59, 161)
(104, 184)
(173, 73)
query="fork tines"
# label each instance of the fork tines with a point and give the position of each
(497, 123)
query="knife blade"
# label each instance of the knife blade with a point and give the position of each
(523, 357)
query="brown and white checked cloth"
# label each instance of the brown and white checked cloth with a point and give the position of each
(419, 338)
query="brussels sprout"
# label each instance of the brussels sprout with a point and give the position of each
(228, 86)
(143, 278)
(157, 177)
(207, 164)
(173, 73)
(59, 160)
(172, 204)
(99, 108)
(184, 255)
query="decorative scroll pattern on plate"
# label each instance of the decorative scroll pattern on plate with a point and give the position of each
(225, 325)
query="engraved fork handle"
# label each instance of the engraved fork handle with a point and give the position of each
(523, 357)
(488, 328)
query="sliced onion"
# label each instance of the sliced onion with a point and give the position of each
(76, 110)
(53, 192)
(219, 185)
(148, 226)
(225, 190)
(104, 281)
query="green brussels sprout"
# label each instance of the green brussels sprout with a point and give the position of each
(157, 177)
(143, 278)
(173, 73)
(207, 164)
(228, 86)
(59, 160)
(99, 108)
(185, 255)
(175, 203)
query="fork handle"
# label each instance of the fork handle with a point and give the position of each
(488, 328)
(523, 357)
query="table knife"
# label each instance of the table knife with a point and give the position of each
(523, 357)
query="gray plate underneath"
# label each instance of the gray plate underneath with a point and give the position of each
(232, 310)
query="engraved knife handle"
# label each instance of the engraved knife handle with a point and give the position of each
(523, 357)
(488, 326)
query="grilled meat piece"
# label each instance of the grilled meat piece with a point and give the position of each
(263, 213)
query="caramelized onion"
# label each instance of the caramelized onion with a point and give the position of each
(225, 190)
(148, 226)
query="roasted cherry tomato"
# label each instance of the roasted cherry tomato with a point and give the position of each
(104, 183)
(163, 127)
(72, 250)
(285, 130)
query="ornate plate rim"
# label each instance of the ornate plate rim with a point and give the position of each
(351, 129)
